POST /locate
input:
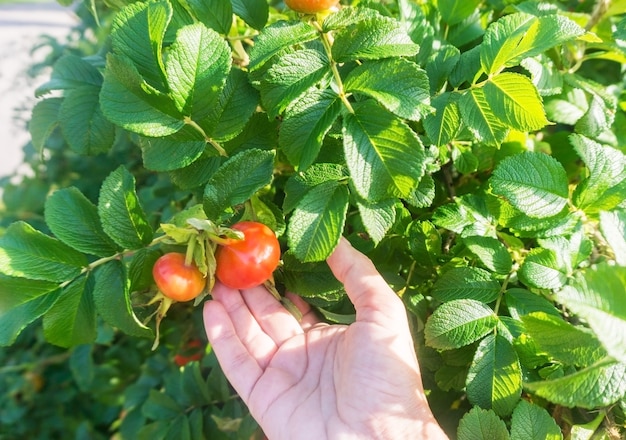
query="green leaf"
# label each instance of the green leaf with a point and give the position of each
(197, 174)
(544, 74)
(466, 283)
(521, 302)
(197, 66)
(290, 76)
(74, 220)
(494, 380)
(532, 422)
(598, 385)
(129, 101)
(317, 222)
(458, 323)
(401, 86)
(311, 280)
(253, 12)
(140, 269)
(544, 269)
(22, 301)
(44, 119)
(440, 66)
(301, 183)
(160, 406)
(424, 195)
(563, 341)
(514, 99)
(112, 300)
(491, 252)
(517, 36)
(613, 227)
(455, 11)
(237, 180)
(443, 125)
(605, 186)
(28, 253)
(371, 39)
(480, 119)
(81, 365)
(534, 183)
(598, 298)
(137, 32)
(276, 37)
(169, 154)
(83, 124)
(218, 14)
(480, 424)
(384, 156)
(72, 319)
(306, 123)
(70, 72)
(378, 218)
(424, 242)
(121, 214)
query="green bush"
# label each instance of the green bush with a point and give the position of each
(474, 150)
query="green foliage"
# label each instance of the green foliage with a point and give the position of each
(473, 149)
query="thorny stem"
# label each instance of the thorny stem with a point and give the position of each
(210, 141)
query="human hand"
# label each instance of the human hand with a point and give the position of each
(309, 380)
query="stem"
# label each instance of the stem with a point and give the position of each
(210, 141)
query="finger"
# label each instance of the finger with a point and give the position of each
(372, 297)
(270, 314)
(259, 344)
(240, 367)
(309, 317)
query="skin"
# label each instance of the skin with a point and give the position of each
(308, 380)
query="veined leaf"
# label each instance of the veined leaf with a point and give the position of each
(72, 318)
(44, 119)
(28, 253)
(253, 12)
(613, 227)
(290, 77)
(377, 218)
(372, 39)
(479, 424)
(466, 283)
(494, 380)
(544, 269)
(121, 214)
(598, 298)
(15, 292)
(440, 66)
(301, 183)
(237, 180)
(276, 37)
(545, 75)
(458, 323)
(443, 125)
(598, 385)
(70, 72)
(173, 153)
(398, 84)
(532, 422)
(218, 14)
(514, 99)
(480, 119)
(305, 125)
(455, 11)
(313, 281)
(521, 302)
(384, 156)
(491, 252)
(317, 222)
(73, 219)
(424, 242)
(197, 67)
(534, 183)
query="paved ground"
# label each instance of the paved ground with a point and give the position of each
(21, 28)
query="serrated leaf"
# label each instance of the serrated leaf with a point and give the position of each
(237, 180)
(306, 123)
(521, 302)
(318, 220)
(28, 253)
(137, 32)
(443, 125)
(301, 183)
(311, 280)
(72, 318)
(84, 126)
(480, 119)
(598, 385)
(348, 16)
(276, 37)
(253, 12)
(112, 300)
(424, 195)
(613, 227)
(605, 186)
(440, 66)
(197, 174)
(384, 156)
(494, 380)
(466, 283)
(401, 86)
(140, 269)
(44, 119)
(217, 14)
(514, 99)
(468, 216)
(543, 268)
(569, 344)
(481, 424)
(291, 76)
(129, 101)
(598, 297)
(371, 39)
(455, 11)
(424, 242)
(121, 214)
(81, 365)
(69, 72)
(534, 183)
(377, 218)
(197, 66)
(169, 153)
(491, 252)
(544, 74)
(73, 219)
(532, 422)
(458, 323)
